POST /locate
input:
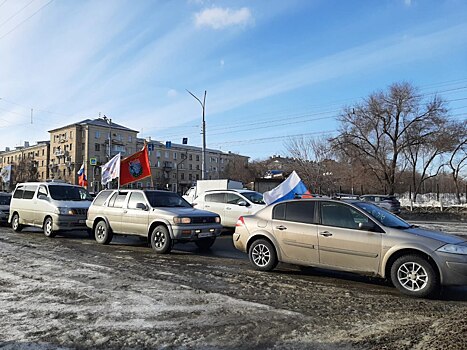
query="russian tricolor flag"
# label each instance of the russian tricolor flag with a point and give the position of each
(292, 187)
(82, 181)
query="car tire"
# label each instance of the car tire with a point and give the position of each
(205, 243)
(15, 225)
(102, 233)
(413, 275)
(161, 242)
(48, 227)
(263, 255)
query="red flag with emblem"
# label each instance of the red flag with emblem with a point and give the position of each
(135, 167)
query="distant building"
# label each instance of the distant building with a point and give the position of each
(31, 161)
(88, 142)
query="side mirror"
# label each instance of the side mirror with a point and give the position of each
(366, 226)
(42, 197)
(141, 206)
(242, 203)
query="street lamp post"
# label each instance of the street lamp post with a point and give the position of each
(203, 131)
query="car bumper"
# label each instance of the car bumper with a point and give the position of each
(69, 222)
(193, 232)
(454, 270)
(4, 217)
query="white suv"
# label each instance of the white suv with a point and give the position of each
(230, 204)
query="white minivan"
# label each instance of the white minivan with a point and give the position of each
(52, 206)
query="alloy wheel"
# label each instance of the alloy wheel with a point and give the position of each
(159, 239)
(412, 276)
(261, 255)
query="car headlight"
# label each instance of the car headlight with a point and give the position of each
(453, 249)
(64, 211)
(218, 219)
(182, 220)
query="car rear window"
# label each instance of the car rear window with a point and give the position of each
(5, 199)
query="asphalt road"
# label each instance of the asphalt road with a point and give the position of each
(71, 293)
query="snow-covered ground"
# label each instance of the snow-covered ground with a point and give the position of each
(431, 200)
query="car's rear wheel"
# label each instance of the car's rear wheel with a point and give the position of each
(205, 243)
(15, 225)
(413, 275)
(161, 242)
(102, 233)
(48, 228)
(263, 255)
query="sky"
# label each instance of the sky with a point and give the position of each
(273, 70)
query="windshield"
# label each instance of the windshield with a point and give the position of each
(383, 216)
(166, 199)
(69, 193)
(5, 200)
(254, 197)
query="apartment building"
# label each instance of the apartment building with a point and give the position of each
(177, 166)
(29, 163)
(92, 142)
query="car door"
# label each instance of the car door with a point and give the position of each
(41, 204)
(135, 220)
(114, 211)
(214, 202)
(29, 208)
(296, 230)
(342, 244)
(233, 209)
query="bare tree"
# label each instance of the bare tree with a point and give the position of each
(458, 160)
(375, 131)
(310, 155)
(425, 158)
(237, 169)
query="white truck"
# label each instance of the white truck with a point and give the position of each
(207, 185)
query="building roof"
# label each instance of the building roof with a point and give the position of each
(102, 122)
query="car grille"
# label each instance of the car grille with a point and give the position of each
(81, 211)
(203, 220)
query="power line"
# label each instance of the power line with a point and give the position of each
(20, 23)
(3, 3)
(15, 14)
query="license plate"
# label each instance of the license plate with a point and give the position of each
(204, 234)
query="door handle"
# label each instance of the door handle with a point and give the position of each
(125, 211)
(325, 233)
(228, 208)
(281, 227)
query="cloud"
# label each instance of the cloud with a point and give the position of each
(220, 18)
(172, 93)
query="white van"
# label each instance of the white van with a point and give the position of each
(52, 206)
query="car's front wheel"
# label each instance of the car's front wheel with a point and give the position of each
(413, 275)
(102, 233)
(15, 225)
(263, 255)
(161, 242)
(48, 228)
(205, 243)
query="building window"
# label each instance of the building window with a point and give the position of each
(175, 155)
(190, 157)
(197, 158)
(190, 166)
(197, 167)
(130, 139)
(97, 147)
(166, 155)
(82, 147)
(182, 176)
(71, 147)
(190, 177)
(158, 154)
(98, 135)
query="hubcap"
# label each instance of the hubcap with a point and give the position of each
(412, 276)
(48, 227)
(261, 255)
(159, 239)
(15, 223)
(100, 232)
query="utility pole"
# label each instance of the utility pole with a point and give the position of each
(203, 131)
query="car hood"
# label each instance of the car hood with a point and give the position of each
(187, 211)
(436, 235)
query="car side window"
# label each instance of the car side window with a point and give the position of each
(29, 192)
(340, 215)
(278, 213)
(117, 200)
(300, 211)
(43, 191)
(18, 192)
(135, 197)
(215, 197)
(102, 197)
(232, 198)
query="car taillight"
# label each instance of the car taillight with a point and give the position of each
(240, 222)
